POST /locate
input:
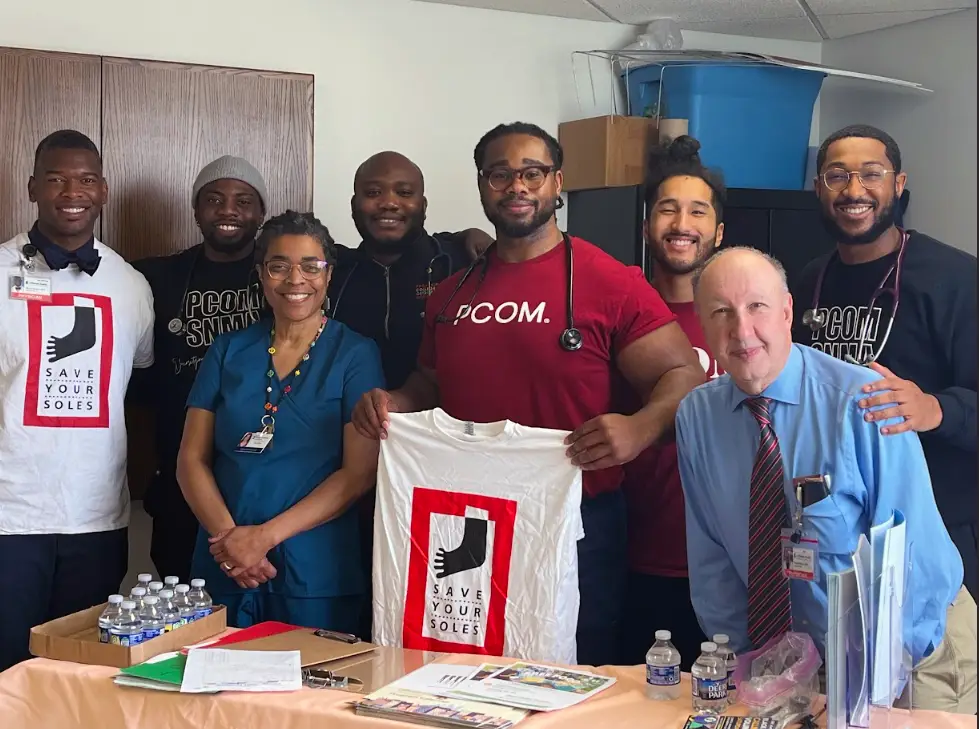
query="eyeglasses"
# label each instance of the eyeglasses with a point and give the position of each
(500, 178)
(280, 270)
(838, 180)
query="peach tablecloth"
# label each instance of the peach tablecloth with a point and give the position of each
(46, 694)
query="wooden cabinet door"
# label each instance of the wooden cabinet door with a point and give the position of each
(40, 93)
(164, 121)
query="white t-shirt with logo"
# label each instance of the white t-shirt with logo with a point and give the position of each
(475, 539)
(64, 369)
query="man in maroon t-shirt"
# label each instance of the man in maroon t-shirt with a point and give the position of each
(502, 343)
(684, 204)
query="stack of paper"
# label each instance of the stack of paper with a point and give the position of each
(491, 695)
(865, 654)
(208, 671)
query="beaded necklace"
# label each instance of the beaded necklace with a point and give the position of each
(268, 419)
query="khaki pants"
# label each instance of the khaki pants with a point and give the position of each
(946, 680)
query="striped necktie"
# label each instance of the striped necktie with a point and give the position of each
(769, 603)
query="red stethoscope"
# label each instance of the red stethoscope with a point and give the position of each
(816, 319)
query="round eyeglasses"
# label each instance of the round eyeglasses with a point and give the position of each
(500, 178)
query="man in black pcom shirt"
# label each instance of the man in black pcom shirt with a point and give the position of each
(207, 290)
(380, 288)
(928, 359)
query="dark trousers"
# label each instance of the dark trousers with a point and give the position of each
(964, 537)
(658, 603)
(175, 527)
(601, 578)
(172, 542)
(48, 576)
(365, 508)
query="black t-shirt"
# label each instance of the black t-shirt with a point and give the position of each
(932, 343)
(220, 297)
(387, 303)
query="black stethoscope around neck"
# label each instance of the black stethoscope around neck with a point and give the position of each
(816, 319)
(177, 326)
(570, 339)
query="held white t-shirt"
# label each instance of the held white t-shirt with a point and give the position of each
(475, 539)
(64, 369)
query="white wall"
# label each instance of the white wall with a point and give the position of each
(425, 79)
(936, 132)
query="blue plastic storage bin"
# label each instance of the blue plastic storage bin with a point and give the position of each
(752, 121)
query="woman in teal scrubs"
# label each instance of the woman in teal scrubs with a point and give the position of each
(269, 461)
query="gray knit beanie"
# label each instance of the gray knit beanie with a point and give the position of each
(231, 168)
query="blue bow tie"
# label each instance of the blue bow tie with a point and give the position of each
(86, 258)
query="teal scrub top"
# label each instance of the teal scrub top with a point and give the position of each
(307, 448)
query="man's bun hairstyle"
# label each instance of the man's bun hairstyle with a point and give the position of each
(680, 157)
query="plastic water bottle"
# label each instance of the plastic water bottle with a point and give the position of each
(151, 617)
(110, 613)
(137, 596)
(170, 583)
(709, 681)
(169, 611)
(143, 579)
(663, 669)
(127, 629)
(154, 588)
(731, 661)
(184, 606)
(199, 599)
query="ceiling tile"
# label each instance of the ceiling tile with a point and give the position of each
(578, 9)
(884, 7)
(795, 29)
(840, 26)
(697, 11)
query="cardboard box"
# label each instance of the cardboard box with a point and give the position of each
(76, 638)
(606, 151)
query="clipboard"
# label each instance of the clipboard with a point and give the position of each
(312, 648)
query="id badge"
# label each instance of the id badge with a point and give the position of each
(800, 556)
(29, 286)
(254, 442)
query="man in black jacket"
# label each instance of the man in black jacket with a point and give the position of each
(206, 290)
(922, 341)
(380, 288)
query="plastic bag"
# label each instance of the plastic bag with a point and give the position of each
(780, 679)
(660, 35)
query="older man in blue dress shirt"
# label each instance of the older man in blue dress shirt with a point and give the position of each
(785, 412)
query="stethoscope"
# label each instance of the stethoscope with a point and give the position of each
(570, 339)
(429, 271)
(816, 319)
(29, 251)
(177, 325)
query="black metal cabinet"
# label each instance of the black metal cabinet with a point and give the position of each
(783, 223)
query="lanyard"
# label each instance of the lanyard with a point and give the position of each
(268, 419)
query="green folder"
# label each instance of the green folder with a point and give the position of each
(169, 671)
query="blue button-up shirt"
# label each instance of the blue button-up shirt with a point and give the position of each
(821, 430)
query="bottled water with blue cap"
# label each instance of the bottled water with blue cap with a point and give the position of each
(663, 669)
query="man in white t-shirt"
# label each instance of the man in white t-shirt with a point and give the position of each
(75, 319)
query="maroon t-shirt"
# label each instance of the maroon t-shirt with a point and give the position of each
(657, 523)
(501, 359)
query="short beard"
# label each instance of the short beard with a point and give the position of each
(517, 230)
(390, 246)
(231, 247)
(883, 221)
(662, 261)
